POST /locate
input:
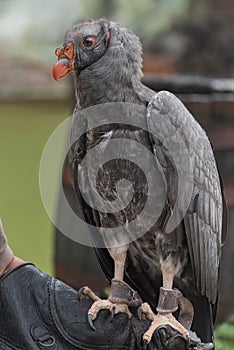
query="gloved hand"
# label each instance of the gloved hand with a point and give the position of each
(71, 315)
(165, 338)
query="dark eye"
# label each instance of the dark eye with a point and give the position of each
(89, 41)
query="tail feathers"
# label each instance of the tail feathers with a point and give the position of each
(204, 318)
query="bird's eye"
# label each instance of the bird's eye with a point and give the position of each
(89, 41)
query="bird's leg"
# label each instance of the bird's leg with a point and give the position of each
(167, 304)
(119, 257)
(121, 294)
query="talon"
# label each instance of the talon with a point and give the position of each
(193, 339)
(162, 334)
(145, 344)
(140, 312)
(81, 296)
(90, 320)
(112, 314)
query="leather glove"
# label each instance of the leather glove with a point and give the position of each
(165, 338)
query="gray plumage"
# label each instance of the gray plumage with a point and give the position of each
(113, 74)
(203, 219)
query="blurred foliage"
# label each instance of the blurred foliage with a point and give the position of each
(31, 30)
(224, 335)
(147, 18)
(29, 27)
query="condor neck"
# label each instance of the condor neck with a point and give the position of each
(97, 85)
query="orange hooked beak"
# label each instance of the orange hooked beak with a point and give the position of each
(65, 62)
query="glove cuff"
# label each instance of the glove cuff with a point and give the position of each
(6, 254)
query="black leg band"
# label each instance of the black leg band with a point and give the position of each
(168, 300)
(122, 293)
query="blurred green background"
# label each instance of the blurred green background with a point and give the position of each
(24, 131)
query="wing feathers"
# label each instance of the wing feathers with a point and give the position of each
(203, 220)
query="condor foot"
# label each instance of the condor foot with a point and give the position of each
(106, 305)
(121, 297)
(162, 322)
(159, 320)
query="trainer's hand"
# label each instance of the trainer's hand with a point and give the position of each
(165, 338)
(14, 263)
(7, 260)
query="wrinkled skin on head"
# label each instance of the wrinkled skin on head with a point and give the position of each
(85, 55)
(84, 45)
(92, 40)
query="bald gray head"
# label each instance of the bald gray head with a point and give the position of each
(115, 45)
(106, 59)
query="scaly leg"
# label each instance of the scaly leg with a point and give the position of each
(168, 303)
(119, 256)
(121, 295)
